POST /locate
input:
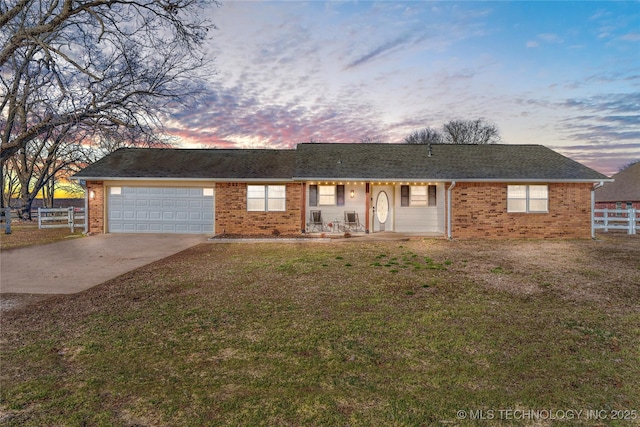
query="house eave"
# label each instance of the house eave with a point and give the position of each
(167, 179)
(441, 180)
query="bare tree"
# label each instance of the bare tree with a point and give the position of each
(113, 66)
(424, 136)
(11, 186)
(39, 164)
(470, 132)
(628, 165)
(368, 139)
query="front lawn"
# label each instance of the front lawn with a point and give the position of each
(425, 332)
(28, 234)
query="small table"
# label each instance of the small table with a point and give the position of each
(334, 225)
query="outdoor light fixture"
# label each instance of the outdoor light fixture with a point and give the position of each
(92, 194)
(352, 193)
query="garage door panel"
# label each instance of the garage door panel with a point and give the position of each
(161, 210)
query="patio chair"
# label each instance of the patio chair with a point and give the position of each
(315, 221)
(351, 221)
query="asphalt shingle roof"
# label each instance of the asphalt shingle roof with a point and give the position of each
(447, 162)
(319, 161)
(625, 188)
(196, 163)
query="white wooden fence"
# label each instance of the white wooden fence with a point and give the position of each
(61, 218)
(5, 218)
(617, 219)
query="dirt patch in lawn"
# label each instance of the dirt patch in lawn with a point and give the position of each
(13, 301)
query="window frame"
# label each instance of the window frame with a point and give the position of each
(327, 198)
(408, 198)
(266, 198)
(525, 198)
(337, 195)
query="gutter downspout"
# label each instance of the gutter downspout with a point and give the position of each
(453, 184)
(86, 208)
(593, 207)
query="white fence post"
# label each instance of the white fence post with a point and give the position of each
(616, 219)
(7, 220)
(70, 218)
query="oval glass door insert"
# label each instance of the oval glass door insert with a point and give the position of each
(382, 207)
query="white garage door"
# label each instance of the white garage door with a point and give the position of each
(160, 210)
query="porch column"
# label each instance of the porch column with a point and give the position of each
(303, 208)
(367, 206)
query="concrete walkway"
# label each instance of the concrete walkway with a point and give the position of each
(75, 265)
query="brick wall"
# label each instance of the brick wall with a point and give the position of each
(479, 210)
(232, 216)
(613, 205)
(96, 207)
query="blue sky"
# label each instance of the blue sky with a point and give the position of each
(562, 74)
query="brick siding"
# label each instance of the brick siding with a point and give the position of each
(613, 205)
(232, 216)
(479, 210)
(96, 207)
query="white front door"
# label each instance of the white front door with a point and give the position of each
(382, 208)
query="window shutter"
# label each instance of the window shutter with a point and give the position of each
(404, 195)
(432, 195)
(313, 195)
(340, 195)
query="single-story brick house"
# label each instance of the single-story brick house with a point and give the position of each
(623, 192)
(457, 191)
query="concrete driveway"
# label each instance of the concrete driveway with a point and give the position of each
(75, 265)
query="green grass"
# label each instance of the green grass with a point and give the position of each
(284, 334)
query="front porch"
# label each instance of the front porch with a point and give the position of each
(381, 236)
(372, 207)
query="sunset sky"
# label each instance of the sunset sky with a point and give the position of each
(562, 74)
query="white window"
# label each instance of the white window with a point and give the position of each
(207, 191)
(418, 195)
(116, 190)
(261, 198)
(276, 198)
(326, 195)
(527, 198)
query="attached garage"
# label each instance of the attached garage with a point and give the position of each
(160, 210)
